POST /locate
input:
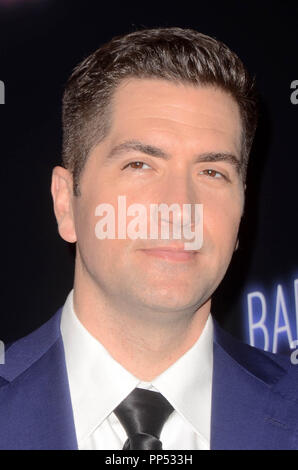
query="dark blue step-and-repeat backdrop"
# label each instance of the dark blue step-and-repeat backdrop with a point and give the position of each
(41, 41)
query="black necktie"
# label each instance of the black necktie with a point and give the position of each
(143, 414)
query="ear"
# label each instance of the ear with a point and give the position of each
(62, 193)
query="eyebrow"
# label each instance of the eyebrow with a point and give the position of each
(151, 150)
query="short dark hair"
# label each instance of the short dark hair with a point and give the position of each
(173, 54)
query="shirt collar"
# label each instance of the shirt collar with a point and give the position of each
(98, 383)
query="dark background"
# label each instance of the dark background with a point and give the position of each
(41, 41)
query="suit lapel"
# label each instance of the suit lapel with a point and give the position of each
(35, 404)
(251, 407)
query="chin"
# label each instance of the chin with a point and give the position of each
(169, 299)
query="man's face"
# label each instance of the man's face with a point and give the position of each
(175, 127)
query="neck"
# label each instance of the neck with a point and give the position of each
(144, 341)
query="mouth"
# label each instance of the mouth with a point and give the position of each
(171, 253)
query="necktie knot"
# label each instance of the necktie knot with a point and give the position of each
(142, 414)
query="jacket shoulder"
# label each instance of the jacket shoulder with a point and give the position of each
(23, 352)
(267, 366)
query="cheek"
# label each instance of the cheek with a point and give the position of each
(89, 229)
(221, 223)
(84, 224)
(93, 194)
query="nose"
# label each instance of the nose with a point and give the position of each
(178, 190)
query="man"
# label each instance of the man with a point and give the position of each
(163, 116)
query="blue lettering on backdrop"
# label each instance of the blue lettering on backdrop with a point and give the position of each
(272, 318)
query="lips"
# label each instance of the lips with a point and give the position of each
(171, 253)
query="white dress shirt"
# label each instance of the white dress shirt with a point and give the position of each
(98, 383)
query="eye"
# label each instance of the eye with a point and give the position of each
(137, 166)
(212, 173)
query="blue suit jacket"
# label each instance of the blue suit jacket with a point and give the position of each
(254, 395)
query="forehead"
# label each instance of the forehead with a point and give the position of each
(179, 111)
